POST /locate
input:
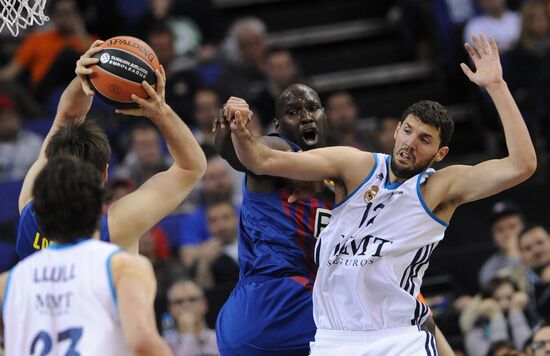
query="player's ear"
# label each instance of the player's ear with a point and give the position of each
(105, 174)
(277, 125)
(441, 153)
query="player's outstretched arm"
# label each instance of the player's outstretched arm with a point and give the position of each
(134, 214)
(493, 176)
(313, 165)
(135, 287)
(73, 105)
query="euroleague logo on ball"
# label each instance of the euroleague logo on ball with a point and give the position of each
(105, 57)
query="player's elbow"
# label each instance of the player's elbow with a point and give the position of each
(201, 166)
(529, 166)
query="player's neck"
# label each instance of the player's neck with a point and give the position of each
(393, 178)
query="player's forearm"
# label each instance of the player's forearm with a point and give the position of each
(518, 141)
(74, 104)
(254, 155)
(182, 145)
(224, 147)
(443, 347)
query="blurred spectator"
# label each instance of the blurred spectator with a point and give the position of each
(181, 83)
(534, 244)
(499, 315)
(541, 342)
(344, 123)
(190, 21)
(245, 75)
(255, 125)
(218, 262)
(523, 65)
(281, 70)
(154, 245)
(385, 131)
(117, 188)
(28, 106)
(50, 55)
(217, 184)
(497, 20)
(188, 308)
(502, 348)
(145, 157)
(18, 148)
(8, 236)
(506, 223)
(206, 104)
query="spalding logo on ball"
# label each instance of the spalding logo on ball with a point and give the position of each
(124, 63)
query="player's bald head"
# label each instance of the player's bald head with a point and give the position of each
(293, 92)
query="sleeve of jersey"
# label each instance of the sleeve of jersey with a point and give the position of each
(23, 244)
(104, 228)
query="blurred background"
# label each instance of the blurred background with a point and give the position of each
(369, 60)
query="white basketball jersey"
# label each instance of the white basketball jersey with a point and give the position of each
(61, 301)
(373, 254)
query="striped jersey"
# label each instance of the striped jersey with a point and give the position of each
(61, 301)
(277, 238)
(373, 255)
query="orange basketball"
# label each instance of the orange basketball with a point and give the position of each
(124, 63)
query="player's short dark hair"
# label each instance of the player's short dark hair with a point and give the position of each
(68, 198)
(434, 114)
(84, 140)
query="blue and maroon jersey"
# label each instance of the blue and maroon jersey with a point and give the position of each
(277, 238)
(31, 239)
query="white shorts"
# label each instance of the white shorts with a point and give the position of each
(386, 342)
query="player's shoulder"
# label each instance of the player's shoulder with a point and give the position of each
(275, 143)
(451, 172)
(126, 260)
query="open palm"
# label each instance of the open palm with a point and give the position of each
(486, 61)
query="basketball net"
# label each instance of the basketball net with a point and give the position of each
(20, 14)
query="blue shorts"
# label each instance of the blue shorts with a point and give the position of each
(267, 316)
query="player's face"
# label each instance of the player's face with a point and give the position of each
(416, 148)
(303, 119)
(535, 248)
(505, 229)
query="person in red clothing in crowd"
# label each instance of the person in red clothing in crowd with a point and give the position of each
(49, 56)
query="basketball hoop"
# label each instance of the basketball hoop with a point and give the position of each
(20, 14)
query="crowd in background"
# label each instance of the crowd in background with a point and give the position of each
(197, 264)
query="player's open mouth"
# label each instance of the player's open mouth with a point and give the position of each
(404, 155)
(310, 136)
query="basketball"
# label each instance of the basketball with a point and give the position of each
(124, 63)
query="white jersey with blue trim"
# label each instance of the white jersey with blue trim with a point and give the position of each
(61, 301)
(373, 254)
